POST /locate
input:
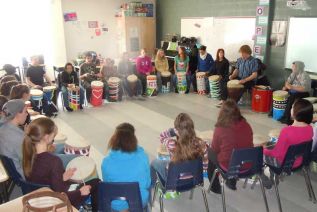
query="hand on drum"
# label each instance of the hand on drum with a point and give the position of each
(68, 174)
(288, 86)
(85, 190)
(37, 87)
(242, 81)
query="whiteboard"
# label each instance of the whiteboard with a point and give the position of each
(302, 43)
(228, 33)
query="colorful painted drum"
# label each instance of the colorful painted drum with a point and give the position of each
(279, 103)
(113, 84)
(151, 88)
(166, 81)
(37, 96)
(96, 93)
(181, 82)
(235, 90)
(201, 84)
(49, 92)
(261, 99)
(74, 98)
(132, 80)
(214, 86)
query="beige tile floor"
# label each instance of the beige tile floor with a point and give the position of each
(95, 126)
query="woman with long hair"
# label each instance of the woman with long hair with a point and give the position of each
(42, 167)
(232, 131)
(126, 162)
(182, 144)
(221, 68)
(181, 64)
(161, 65)
(20, 91)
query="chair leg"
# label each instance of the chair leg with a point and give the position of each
(307, 183)
(311, 187)
(191, 194)
(245, 183)
(254, 182)
(154, 194)
(161, 203)
(205, 198)
(263, 193)
(212, 180)
(277, 192)
(223, 197)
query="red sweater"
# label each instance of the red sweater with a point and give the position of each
(238, 136)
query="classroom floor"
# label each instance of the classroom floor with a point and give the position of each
(95, 126)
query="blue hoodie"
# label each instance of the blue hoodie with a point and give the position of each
(206, 64)
(121, 166)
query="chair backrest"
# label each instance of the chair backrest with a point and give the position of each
(26, 187)
(183, 176)
(295, 151)
(129, 192)
(245, 162)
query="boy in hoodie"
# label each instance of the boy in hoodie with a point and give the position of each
(144, 68)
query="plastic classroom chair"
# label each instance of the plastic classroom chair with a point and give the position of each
(244, 163)
(294, 151)
(26, 187)
(181, 177)
(130, 192)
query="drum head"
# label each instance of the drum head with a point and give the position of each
(132, 78)
(114, 80)
(151, 77)
(234, 84)
(166, 74)
(181, 74)
(214, 78)
(280, 93)
(49, 88)
(97, 83)
(201, 74)
(85, 166)
(36, 92)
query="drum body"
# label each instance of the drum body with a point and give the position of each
(279, 104)
(235, 90)
(37, 96)
(214, 84)
(274, 134)
(201, 85)
(113, 84)
(132, 80)
(151, 88)
(49, 92)
(166, 81)
(261, 99)
(181, 82)
(74, 98)
(96, 93)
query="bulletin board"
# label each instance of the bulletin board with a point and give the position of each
(228, 33)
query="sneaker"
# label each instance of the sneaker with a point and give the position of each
(81, 107)
(69, 109)
(216, 187)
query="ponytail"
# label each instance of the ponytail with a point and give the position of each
(34, 134)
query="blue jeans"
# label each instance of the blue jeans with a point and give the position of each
(66, 98)
(59, 152)
(127, 88)
(160, 167)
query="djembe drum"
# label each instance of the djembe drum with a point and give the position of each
(279, 103)
(74, 98)
(214, 83)
(96, 93)
(114, 83)
(201, 84)
(151, 88)
(85, 169)
(49, 92)
(132, 80)
(37, 97)
(235, 90)
(166, 81)
(261, 99)
(181, 82)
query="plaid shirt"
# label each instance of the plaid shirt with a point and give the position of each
(300, 79)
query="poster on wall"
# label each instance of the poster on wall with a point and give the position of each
(71, 16)
(278, 35)
(92, 24)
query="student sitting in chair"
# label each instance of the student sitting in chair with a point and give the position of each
(36, 74)
(3, 100)
(70, 82)
(126, 162)
(11, 71)
(181, 64)
(144, 68)
(298, 86)
(161, 65)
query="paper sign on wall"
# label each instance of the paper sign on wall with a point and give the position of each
(71, 16)
(97, 32)
(264, 2)
(263, 20)
(92, 24)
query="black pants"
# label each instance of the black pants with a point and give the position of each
(290, 101)
(94, 183)
(223, 89)
(212, 161)
(142, 77)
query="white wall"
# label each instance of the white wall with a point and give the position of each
(80, 38)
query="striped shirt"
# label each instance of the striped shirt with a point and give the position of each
(247, 67)
(301, 79)
(169, 142)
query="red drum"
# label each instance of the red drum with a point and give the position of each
(261, 99)
(96, 93)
